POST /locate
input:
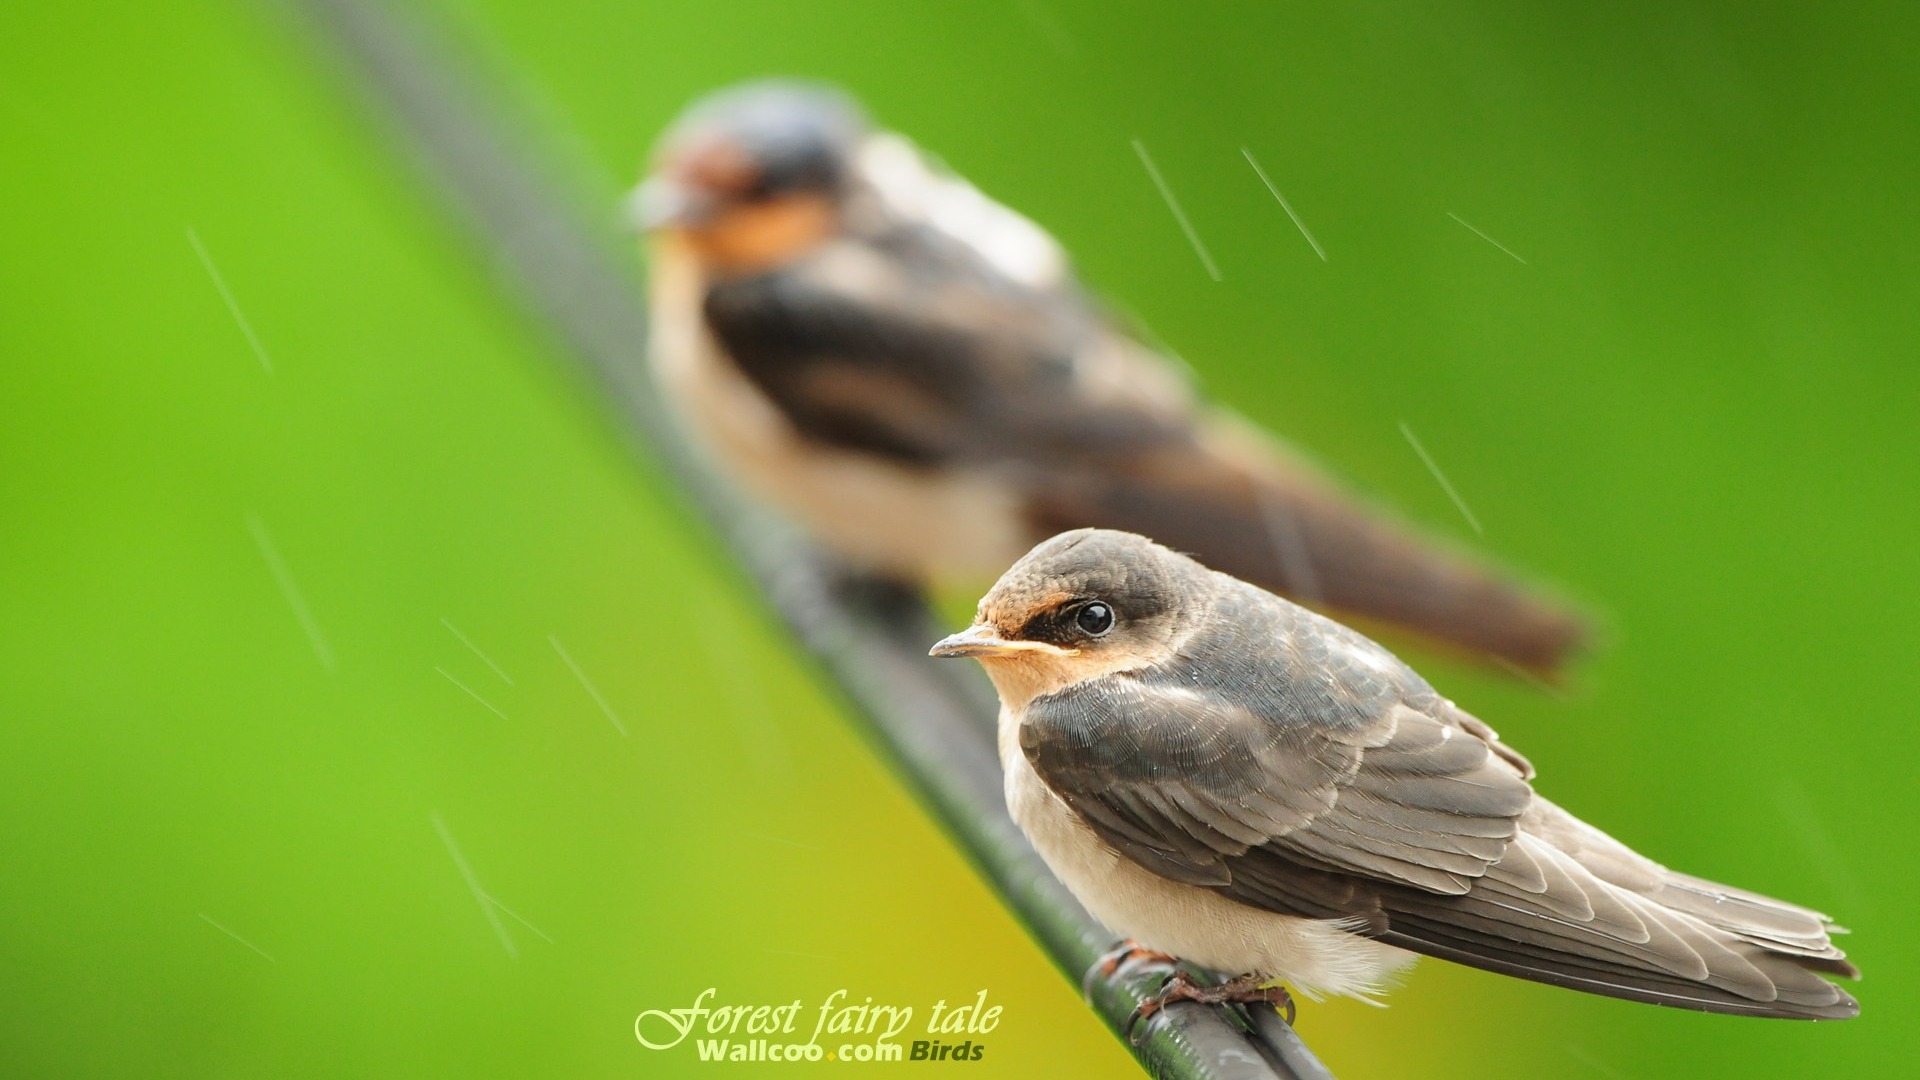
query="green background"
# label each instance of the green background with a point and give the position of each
(1692, 406)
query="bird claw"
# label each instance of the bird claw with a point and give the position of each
(1128, 951)
(1180, 986)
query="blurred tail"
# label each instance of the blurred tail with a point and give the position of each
(1238, 506)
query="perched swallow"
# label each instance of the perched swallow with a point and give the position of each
(910, 370)
(1222, 776)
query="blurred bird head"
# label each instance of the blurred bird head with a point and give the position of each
(754, 175)
(1086, 603)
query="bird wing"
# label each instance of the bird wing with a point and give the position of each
(1291, 764)
(1305, 738)
(913, 346)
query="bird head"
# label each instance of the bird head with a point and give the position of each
(753, 176)
(1086, 603)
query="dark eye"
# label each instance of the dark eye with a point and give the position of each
(1094, 619)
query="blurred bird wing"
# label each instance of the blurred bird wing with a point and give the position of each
(915, 345)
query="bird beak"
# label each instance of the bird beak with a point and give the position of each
(985, 640)
(660, 203)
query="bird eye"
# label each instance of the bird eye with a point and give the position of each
(1094, 619)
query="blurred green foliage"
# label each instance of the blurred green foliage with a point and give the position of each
(1693, 404)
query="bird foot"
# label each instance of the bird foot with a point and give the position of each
(1245, 990)
(1128, 951)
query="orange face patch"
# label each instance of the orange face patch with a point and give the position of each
(746, 237)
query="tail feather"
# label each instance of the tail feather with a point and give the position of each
(1571, 906)
(1798, 996)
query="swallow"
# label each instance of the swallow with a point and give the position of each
(911, 371)
(1223, 776)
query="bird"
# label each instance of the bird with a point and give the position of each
(912, 372)
(1224, 777)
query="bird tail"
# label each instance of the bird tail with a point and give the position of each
(1571, 906)
(1240, 506)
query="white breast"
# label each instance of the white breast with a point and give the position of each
(1312, 957)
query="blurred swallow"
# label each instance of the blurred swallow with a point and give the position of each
(910, 370)
(1226, 777)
